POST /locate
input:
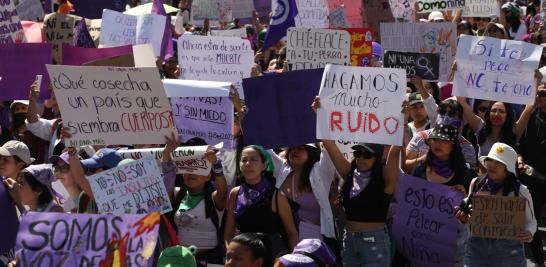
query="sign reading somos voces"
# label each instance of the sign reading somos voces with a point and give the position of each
(112, 105)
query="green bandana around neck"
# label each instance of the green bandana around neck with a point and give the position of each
(191, 200)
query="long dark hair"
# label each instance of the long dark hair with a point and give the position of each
(511, 183)
(313, 155)
(45, 197)
(507, 134)
(513, 22)
(456, 162)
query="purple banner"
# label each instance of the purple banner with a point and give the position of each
(425, 226)
(279, 108)
(61, 239)
(209, 118)
(93, 10)
(77, 56)
(19, 65)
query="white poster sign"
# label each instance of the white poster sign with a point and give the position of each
(187, 159)
(112, 105)
(403, 9)
(311, 14)
(242, 8)
(481, 8)
(309, 48)
(215, 58)
(133, 188)
(361, 104)
(338, 18)
(435, 38)
(121, 29)
(30, 10)
(494, 69)
(241, 32)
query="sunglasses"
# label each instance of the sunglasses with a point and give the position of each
(363, 154)
(541, 93)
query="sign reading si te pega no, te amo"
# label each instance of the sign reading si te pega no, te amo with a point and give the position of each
(359, 103)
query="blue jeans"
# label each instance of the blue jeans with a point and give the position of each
(366, 249)
(489, 252)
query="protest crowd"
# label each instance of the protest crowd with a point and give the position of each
(251, 133)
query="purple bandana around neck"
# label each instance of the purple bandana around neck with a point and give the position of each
(445, 119)
(492, 186)
(441, 167)
(250, 194)
(360, 181)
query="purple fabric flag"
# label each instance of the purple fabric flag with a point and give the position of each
(93, 10)
(282, 19)
(77, 56)
(82, 38)
(86, 239)
(425, 226)
(19, 65)
(279, 112)
(167, 49)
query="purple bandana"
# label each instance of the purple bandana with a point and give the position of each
(492, 186)
(360, 181)
(250, 194)
(445, 119)
(441, 167)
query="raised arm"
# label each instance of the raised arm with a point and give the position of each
(229, 228)
(77, 172)
(392, 170)
(473, 120)
(220, 195)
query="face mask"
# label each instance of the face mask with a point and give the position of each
(19, 119)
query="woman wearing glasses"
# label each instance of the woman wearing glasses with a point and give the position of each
(61, 170)
(365, 197)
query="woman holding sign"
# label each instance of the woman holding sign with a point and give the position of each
(365, 196)
(500, 180)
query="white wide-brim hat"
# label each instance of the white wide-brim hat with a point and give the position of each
(504, 154)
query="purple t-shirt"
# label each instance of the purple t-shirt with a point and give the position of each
(9, 222)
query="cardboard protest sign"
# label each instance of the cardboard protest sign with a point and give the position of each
(376, 12)
(361, 45)
(311, 14)
(353, 9)
(497, 217)
(77, 56)
(112, 105)
(481, 8)
(215, 58)
(425, 226)
(359, 103)
(189, 159)
(422, 65)
(338, 18)
(82, 8)
(33, 31)
(11, 30)
(427, 6)
(204, 112)
(30, 10)
(403, 9)
(144, 56)
(126, 29)
(437, 38)
(132, 188)
(115, 61)
(241, 32)
(494, 69)
(20, 63)
(280, 104)
(63, 239)
(309, 48)
(59, 30)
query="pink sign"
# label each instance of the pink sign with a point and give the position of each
(33, 31)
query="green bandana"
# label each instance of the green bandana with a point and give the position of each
(190, 200)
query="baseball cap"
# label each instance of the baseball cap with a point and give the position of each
(15, 102)
(309, 253)
(415, 98)
(16, 148)
(374, 148)
(105, 158)
(64, 157)
(435, 16)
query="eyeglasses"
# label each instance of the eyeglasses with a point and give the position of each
(541, 93)
(363, 154)
(61, 168)
(482, 109)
